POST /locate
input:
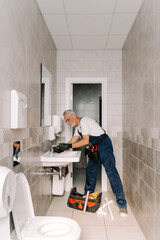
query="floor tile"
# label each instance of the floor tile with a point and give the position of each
(124, 233)
(88, 219)
(113, 205)
(59, 202)
(68, 214)
(93, 233)
(129, 220)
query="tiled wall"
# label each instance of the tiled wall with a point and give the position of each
(141, 118)
(95, 63)
(24, 44)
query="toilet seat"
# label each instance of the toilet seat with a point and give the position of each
(31, 227)
(55, 228)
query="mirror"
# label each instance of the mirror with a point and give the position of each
(45, 103)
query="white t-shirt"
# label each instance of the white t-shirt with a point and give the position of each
(88, 126)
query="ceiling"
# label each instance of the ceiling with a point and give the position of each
(89, 24)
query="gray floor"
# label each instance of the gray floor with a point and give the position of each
(93, 225)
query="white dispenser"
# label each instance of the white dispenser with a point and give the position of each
(52, 135)
(18, 110)
(55, 128)
(57, 123)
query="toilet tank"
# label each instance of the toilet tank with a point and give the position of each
(23, 207)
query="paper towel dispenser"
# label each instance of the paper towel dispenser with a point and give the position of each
(18, 110)
(57, 123)
(56, 127)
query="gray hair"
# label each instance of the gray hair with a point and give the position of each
(68, 111)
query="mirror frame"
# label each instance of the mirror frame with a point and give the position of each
(45, 96)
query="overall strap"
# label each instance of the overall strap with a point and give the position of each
(79, 133)
(103, 130)
(101, 139)
(80, 127)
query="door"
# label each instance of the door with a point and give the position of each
(86, 102)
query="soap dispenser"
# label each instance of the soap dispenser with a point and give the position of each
(18, 110)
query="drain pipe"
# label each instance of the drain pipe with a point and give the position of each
(54, 173)
(49, 171)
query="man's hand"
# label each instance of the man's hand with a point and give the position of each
(64, 146)
(61, 147)
(57, 149)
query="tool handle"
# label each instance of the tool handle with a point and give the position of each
(85, 205)
(108, 203)
(101, 208)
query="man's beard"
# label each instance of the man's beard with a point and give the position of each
(73, 125)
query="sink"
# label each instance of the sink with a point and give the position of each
(50, 159)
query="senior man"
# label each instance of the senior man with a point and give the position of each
(90, 132)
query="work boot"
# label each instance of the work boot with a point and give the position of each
(123, 212)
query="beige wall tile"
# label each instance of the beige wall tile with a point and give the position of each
(24, 44)
(140, 87)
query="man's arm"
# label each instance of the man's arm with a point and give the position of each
(72, 143)
(84, 141)
(73, 139)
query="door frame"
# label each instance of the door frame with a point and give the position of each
(69, 105)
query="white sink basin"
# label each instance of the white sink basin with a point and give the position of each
(60, 159)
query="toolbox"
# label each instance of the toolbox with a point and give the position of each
(77, 201)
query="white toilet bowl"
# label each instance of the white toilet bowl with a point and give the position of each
(31, 227)
(56, 228)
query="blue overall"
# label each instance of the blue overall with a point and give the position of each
(106, 157)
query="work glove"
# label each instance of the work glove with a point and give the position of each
(64, 146)
(57, 149)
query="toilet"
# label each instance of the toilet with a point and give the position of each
(15, 196)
